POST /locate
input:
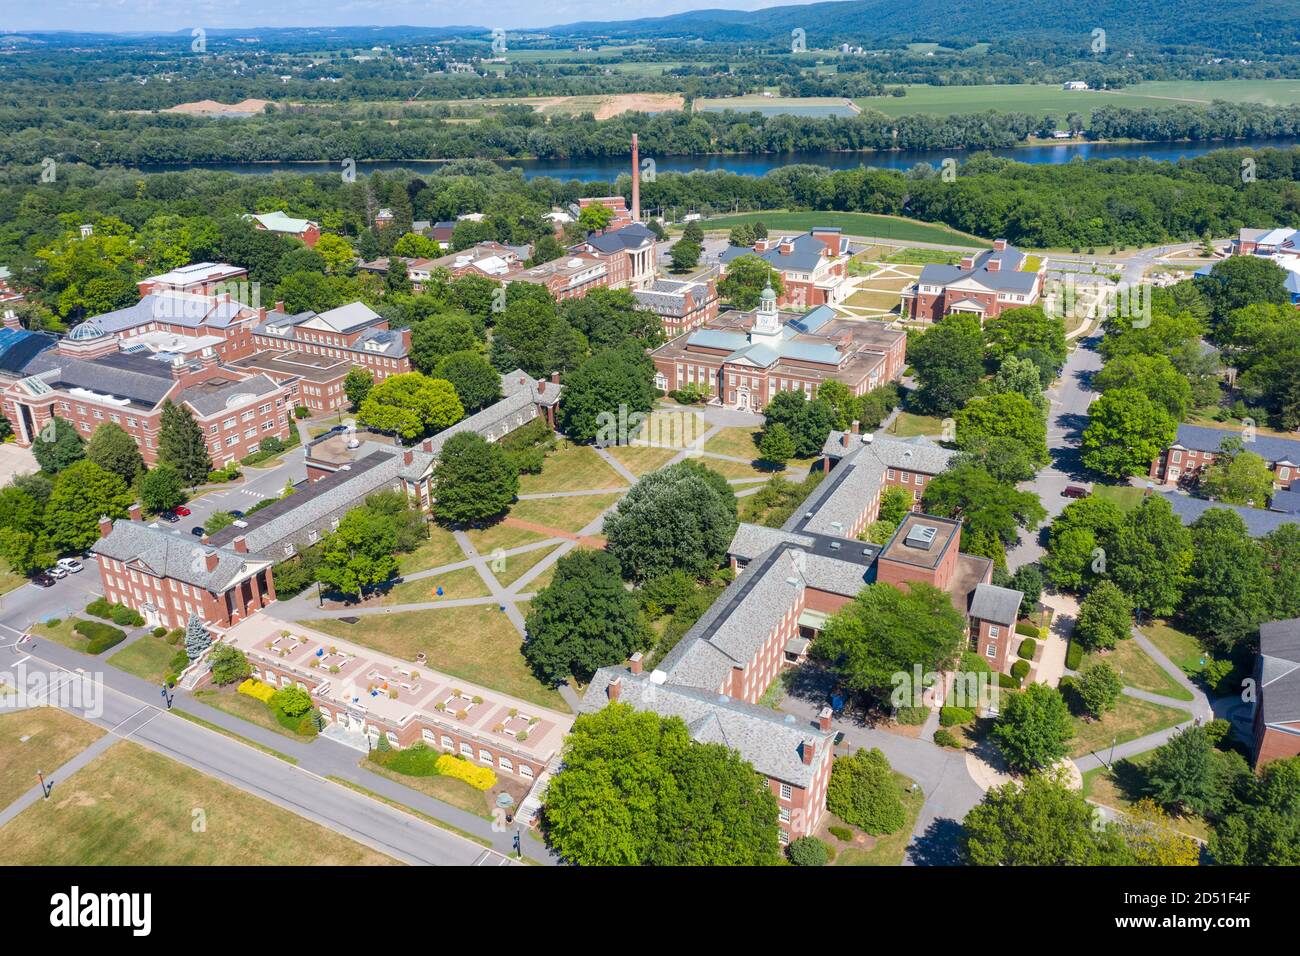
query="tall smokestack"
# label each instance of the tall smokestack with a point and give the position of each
(636, 182)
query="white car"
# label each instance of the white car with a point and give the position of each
(57, 572)
(71, 565)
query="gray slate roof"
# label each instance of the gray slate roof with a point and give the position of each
(1278, 670)
(143, 381)
(630, 237)
(211, 401)
(1259, 521)
(999, 605)
(805, 252)
(1202, 438)
(1285, 501)
(1007, 277)
(772, 743)
(170, 554)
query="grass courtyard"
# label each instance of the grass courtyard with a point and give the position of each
(571, 468)
(440, 548)
(566, 514)
(1138, 669)
(132, 805)
(1132, 718)
(642, 459)
(151, 658)
(461, 583)
(39, 738)
(909, 425)
(1177, 645)
(477, 643)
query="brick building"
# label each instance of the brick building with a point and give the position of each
(167, 576)
(8, 294)
(682, 306)
(286, 225)
(1277, 677)
(628, 252)
(982, 284)
(744, 359)
(813, 266)
(1196, 446)
(199, 278)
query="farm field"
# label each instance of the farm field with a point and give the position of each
(812, 106)
(1041, 98)
(853, 224)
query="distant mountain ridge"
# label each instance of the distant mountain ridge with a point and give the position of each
(1217, 25)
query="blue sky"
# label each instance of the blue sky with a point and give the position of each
(163, 16)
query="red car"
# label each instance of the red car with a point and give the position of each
(1075, 491)
(182, 511)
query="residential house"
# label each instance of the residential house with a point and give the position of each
(1195, 447)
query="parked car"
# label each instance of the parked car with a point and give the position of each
(43, 580)
(170, 516)
(198, 531)
(182, 511)
(71, 565)
(1075, 491)
(56, 572)
(236, 513)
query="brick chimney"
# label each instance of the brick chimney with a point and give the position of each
(967, 263)
(279, 305)
(993, 265)
(541, 386)
(786, 247)
(844, 439)
(241, 544)
(615, 688)
(824, 718)
(105, 526)
(999, 244)
(135, 513)
(809, 750)
(210, 558)
(11, 320)
(634, 663)
(555, 378)
(856, 426)
(408, 456)
(427, 444)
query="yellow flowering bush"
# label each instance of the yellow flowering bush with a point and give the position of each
(481, 778)
(256, 689)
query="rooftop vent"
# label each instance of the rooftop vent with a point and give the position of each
(835, 545)
(921, 536)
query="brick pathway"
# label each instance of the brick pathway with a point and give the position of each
(589, 541)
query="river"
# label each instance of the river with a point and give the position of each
(757, 164)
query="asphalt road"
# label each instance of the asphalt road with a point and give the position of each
(257, 483)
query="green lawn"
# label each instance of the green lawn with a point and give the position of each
(461, 583)
(243, 706)
(1121, 787)
(641, 459)
(908, 425)
(736, 441)
(567, 514)
(39, 738)
(62, 633)
(131, 805)
(151, 658)
(889, 849)
(477, 643)
(1131, 719)
(571, 468)
(922, 257)
(1138, 669)
(440, 548)
(853, 224)
(1126, 497)
(447, 789)
(517, 565)
(503, 536)
(9, 580)
(1179, 646)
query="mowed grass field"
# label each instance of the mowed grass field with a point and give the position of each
(853, 224)
(1038, 98)
(132, 806)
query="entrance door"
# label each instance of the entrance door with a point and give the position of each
(742, 398)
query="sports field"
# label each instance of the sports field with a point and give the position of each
(853, 224)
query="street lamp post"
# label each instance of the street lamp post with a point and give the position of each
(45, 788)
(1111, 763)
(167, 698)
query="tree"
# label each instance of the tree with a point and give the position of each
(1036, 822)
(181, 444)
(476, 382)
(26, 552)
(221, 519)
(545, 249)
(1239, 281)
(808, 421)
(1020, 376)
(747, 276)
(948, 361)
(473, 480)
(161, 489)
(57, 445)
(674, 518)
(685, 255)
(1281, 556)
(583, 620)
(1151, 838)
(411, 405)
(603, 392)
(742, 235)
(808, 851)
(1229, 589)
(357, 385)
(777, 446)
(1126, 432)
(863, 793)
(612, 318)
(895, 504)
(112, 449)
(1003, 415)
(359, 553)
(1105, 618)
(694, 232)
(1033, 730)
(1182, 775)
(1153, 375)
(229, 664)
(440, 335)
(1079, 539)
(1028, 580)
(1099, 687)
(635, 790)
(887, 630)
(1153, 552)
(992, 512)
(82, 494)
(595, 216)
(1239, 478)
(336, 251)
(197, 638)
(1266, 830)
(1028, 331)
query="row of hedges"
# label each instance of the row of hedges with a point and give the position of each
(1028, 647)
(270, 447)
(117, 613)
(222, 475)
(1027, 629)
(1074, 655)
(418, 760)
(952, 716)
(99, 637)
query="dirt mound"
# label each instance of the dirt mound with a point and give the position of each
(213, 108)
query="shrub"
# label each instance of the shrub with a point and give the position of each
(125, 616)
(228, 664)
(1074, 655)
(1026, 629)
(301, 411)
(1028, 647)
(415, 761)
(100, 608)
(862, 792)
(1006, 680)
(160, 632)
(843, 834)
(808, 851)
(952, 716)
(256, 689)
(945, 739)
(481, 778)
(291, 701)
(1020, 670)
(1218, 730)
(913, 716)
(99, 637)
(1214, 672)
